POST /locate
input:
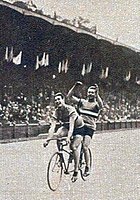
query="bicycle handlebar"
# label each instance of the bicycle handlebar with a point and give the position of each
(57, 139)
(60, 139)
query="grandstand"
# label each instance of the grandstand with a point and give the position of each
(39, 53)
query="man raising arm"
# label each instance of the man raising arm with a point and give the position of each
(89, 109)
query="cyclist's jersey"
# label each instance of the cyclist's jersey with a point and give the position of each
(89, 111)
(64, 113)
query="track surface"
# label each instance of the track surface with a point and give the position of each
(114, 175)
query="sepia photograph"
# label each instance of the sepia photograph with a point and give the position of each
(69, 99)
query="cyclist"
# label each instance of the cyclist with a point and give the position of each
(89, 110)
(66, 113)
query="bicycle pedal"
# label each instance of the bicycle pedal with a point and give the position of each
(73, 179)
(44, 145)
(86, 174)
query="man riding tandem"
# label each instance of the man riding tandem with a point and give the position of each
(82, 122)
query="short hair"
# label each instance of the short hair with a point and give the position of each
(92, 86)
(59, 94)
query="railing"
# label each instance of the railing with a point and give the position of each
(112, 125)
(33, 130)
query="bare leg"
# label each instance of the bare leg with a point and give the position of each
(61, 132)
(86, 143)
(76, 151)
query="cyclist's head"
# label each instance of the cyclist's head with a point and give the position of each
(92, 91)
(59, 99)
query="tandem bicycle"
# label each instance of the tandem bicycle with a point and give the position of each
(62, 162)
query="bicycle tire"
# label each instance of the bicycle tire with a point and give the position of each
(54, 171)
(82, 164)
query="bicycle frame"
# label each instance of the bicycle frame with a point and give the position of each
(62, 151)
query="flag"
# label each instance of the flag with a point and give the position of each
(102, 74)
(17, 59)
(6, 54)
(63, 66)
(59, 67)
(106, 72)
(11, 55)
(42, 62)
(66, 66)
(137, 81)
(128, 76)
(83, 70)
(37, 63)
(89, 67)
(46, 60)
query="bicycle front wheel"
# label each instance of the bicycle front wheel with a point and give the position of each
(54, 171)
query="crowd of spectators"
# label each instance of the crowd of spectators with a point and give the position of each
(120, 110)
(19, 110)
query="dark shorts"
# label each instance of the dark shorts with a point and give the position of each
(83, 131)
(89, 131)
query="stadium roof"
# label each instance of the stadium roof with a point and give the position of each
(23, 9)
(34, 34)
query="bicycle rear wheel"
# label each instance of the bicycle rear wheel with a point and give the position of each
(54, 171)
(82, 163)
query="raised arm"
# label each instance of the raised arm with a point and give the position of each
(98, 98)
(71, 95)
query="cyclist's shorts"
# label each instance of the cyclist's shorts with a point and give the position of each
(83, 131)
(88, 131)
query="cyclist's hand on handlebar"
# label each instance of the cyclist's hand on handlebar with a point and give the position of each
(46, 144)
